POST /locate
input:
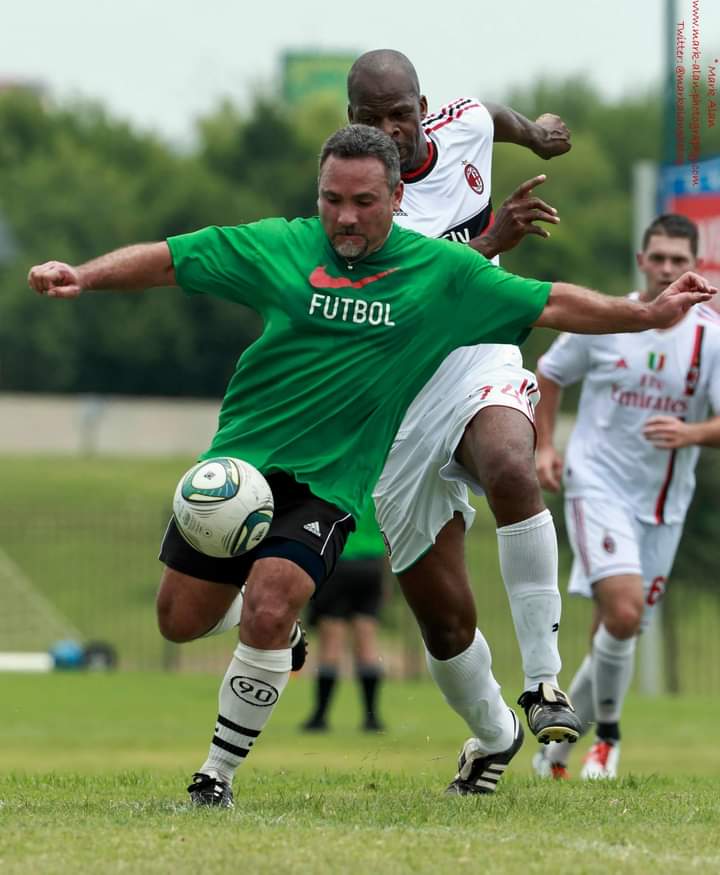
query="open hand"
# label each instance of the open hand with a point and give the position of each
(667, 432)
(673, 303)
(517, 215)
(549, 465)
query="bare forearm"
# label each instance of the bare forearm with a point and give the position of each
(582, 311)
(547, 410)
(485, 245)
(705, 434)
(141, 266)
(512, 127)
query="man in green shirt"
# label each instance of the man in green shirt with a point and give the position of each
(349, 300)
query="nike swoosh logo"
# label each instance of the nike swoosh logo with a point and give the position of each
(321, 279)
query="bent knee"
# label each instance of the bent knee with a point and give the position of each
(624, 620)
(448, 637)
(509, 478)
(173, 625)
(176, 620)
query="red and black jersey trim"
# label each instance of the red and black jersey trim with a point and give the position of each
(664, 489)
(426, 168)
(472, 227)
(693, 375)
(449, 113)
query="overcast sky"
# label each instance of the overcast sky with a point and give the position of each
(161, 63)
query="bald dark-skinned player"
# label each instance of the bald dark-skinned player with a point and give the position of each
(472, 424)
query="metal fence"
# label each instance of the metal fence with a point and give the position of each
(93, 577)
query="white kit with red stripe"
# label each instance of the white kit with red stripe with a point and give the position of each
(449, 197)
(629, 378)
(422, 486)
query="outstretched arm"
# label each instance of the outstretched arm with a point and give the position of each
(579, 310)
(141, 266)
(548, 136)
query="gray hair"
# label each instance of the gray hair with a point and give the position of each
(362, 141)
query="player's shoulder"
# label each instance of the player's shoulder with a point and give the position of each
(706, 315)
(708, 319)
(461, 114)
(447, 251)
(277, 229)
(410, 238)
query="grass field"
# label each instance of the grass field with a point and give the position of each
(93, 770)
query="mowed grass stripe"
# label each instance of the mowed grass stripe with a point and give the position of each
(94, 769)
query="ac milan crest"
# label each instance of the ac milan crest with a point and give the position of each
(474, 180)
(608, 544)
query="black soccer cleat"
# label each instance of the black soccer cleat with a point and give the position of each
(208, 791)
(298, 646)
(550, 715)
(479, 772)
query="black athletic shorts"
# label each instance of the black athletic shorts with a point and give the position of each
(305, 529)
(354, 588)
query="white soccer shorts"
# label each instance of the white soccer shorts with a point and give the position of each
(608, 540)
(422, 485)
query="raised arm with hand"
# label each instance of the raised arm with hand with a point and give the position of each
(548, 136)
(142, 266)
(515, 219)
(573, 308)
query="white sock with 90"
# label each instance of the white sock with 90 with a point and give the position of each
(529, 565)
(468, 685)
(249, 691)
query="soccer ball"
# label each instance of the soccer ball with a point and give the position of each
(223, 507)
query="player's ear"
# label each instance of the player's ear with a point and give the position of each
(640, 259)
(397, 195)
(423, 106)
(350, 113)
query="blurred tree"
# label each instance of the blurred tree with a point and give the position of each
(75, 182)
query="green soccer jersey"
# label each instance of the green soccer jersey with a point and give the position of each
(345, 348)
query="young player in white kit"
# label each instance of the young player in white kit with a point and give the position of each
(472, 425)
(628, 476)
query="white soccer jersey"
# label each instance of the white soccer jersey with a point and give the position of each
(422, 485)
(629, 378)
(449, 197)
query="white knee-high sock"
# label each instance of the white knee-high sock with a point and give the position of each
(249, 691)
(581, 695)
(468, 685)
(231, 618)
(529, 565)
(613, 666)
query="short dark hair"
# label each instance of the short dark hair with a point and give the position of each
(362, 141)
(372, 67)
(672, 225)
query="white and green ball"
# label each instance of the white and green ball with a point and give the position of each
(223, 507)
